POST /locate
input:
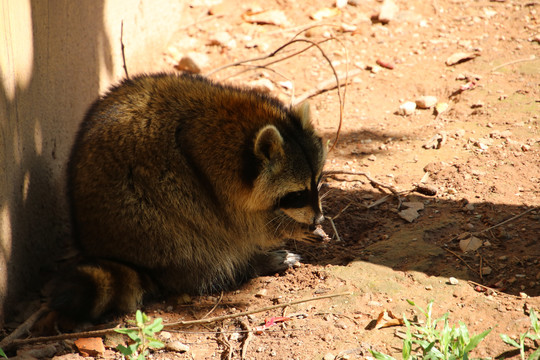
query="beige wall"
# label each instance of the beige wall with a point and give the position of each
(55, 58)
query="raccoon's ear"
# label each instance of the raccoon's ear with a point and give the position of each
(303, 112)
(268, 143)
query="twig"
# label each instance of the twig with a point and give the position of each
(97, 333)
(24, 327)
(123, 47)
(490, 288)
(324, 86)
(334, 227)
(530, 58)
(504, 222)
(341, 96)
(371, 180)
(215, 306)
(247, 339)
(222, 338)
(460, 258)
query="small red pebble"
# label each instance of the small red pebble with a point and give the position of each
(385, 64)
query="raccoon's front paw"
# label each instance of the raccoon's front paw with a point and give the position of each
(274, 262)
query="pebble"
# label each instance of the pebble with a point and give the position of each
(165, 335)
(407, 108)
(486, 270)
(388, 12)
(223, 39)
(193, 62)
(372, 157)
(177, 346)
(329, 356)
(453, 281)
(374, 303)
(426, 102)
(261, 293)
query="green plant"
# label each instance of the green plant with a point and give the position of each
(142, 336)
(3, 354)
(534, 336)
(428, 342)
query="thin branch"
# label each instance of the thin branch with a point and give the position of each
(122, 48)
(530, 58)
(505, 221)
(326, 85)
(97, 333)
(371, 180)
(460, 258)
(24, 327)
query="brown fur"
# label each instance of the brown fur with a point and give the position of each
(181, 185)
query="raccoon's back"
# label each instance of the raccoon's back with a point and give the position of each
(145, 185)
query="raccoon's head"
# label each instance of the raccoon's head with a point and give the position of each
(291, 157)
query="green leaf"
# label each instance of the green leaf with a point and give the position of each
(475, 340)
(3, 354)
(124, 350)
(507, 339)
(156, 344)
(535, 355)
(139, 318)
(534, 322)
(380, 356)
(411, 302)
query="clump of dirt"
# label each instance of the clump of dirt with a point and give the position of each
(484, 166)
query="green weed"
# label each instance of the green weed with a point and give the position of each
(429, 343)
(533, 335)
(143, 337)
(3, 354)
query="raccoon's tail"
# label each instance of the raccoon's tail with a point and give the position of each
(93, 289)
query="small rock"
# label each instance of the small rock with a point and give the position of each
(523, 295)
(426, 102)
(460, 57)
(165, 335)
(453, 281)
(348, 28)
(388, 12)
(374, 303)
(486, 270)
(470, 244)
(193, 62)
(177, 346)
(407, 108)
(90, 346)
(263, 85)
(270, 17)
(469, 207)
(525, 147)
(372, 157)
(417, 205)
(341, 325)
(478, 104)
(409, 214)
(436, 142)
(429, 287)
(223, 39)
(329, 356)
(261, 293)
(341, 3)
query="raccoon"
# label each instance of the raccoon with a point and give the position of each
(178, 184)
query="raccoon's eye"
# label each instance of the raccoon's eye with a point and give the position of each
(294, 200)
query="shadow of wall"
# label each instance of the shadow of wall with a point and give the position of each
(65, 48)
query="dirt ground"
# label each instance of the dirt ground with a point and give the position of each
(484, 166)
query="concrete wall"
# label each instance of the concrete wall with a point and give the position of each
(55, 58)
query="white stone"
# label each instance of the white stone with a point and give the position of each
(407, 108)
